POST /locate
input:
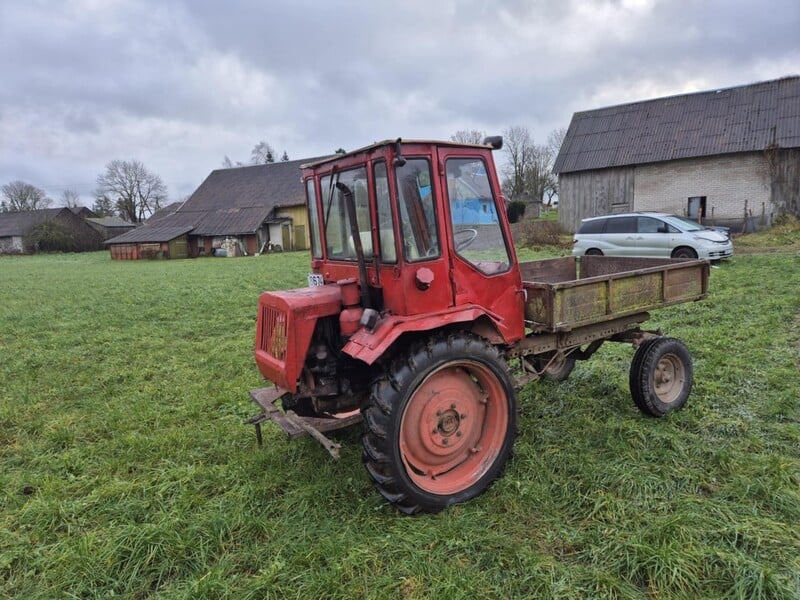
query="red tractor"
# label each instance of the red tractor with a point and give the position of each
(415, 306)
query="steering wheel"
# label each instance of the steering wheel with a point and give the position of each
(467, 236)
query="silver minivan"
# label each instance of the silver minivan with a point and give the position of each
(651, 234)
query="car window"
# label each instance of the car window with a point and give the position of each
(651, 225)
(594, 226)
(621, 225)
(687, 224)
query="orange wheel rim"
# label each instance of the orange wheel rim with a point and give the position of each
(453, 428)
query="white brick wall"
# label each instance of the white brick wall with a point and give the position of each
(726, 182)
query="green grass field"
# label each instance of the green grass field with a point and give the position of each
(125, 469)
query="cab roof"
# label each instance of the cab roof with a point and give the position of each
(383, 143)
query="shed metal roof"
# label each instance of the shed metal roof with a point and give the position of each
(239, 200)
(747, 118)
(151, 234)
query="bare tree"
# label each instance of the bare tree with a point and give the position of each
(518, 148)
(70, 198)
(227, 163)
(556, 139)
(554, 142)
(284, 157)
(528, 173)
(473, 136)
(262, 153)
(18, 196)
(135, 192)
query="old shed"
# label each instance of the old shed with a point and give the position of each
(151, 242)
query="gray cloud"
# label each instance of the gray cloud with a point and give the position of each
(179, 85)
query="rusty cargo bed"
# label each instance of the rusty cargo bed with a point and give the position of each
(563, 294)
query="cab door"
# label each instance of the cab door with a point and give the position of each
(483, 264)
(423, 282)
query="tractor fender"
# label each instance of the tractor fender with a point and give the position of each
(369, 346)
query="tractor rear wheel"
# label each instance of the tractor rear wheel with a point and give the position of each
(440, 423)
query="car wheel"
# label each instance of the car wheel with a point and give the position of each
(684, 252)
(594, 252)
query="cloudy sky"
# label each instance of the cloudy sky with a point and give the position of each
(179, 85)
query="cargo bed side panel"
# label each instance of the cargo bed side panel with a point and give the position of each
(610, 293)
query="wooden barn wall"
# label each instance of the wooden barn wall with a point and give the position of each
(784, 170)
(591, 193)
(86, 237)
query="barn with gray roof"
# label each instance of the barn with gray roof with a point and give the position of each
(725, 157)
(242, 209)
(68, 231)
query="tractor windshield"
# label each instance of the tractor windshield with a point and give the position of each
(336, 219)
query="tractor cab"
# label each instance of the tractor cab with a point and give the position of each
(420, 226)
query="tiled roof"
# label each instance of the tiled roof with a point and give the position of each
(741, 119)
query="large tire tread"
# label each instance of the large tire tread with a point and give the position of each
(636, 366)
(380, 455)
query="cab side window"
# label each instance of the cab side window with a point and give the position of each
(417, 212)
(388, 251)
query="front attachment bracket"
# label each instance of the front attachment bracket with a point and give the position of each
(294, 425)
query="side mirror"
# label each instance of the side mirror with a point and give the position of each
(399, 160)
(495, 141)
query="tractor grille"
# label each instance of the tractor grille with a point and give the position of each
(274, 332)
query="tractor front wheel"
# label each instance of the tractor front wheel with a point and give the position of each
(440, 423)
